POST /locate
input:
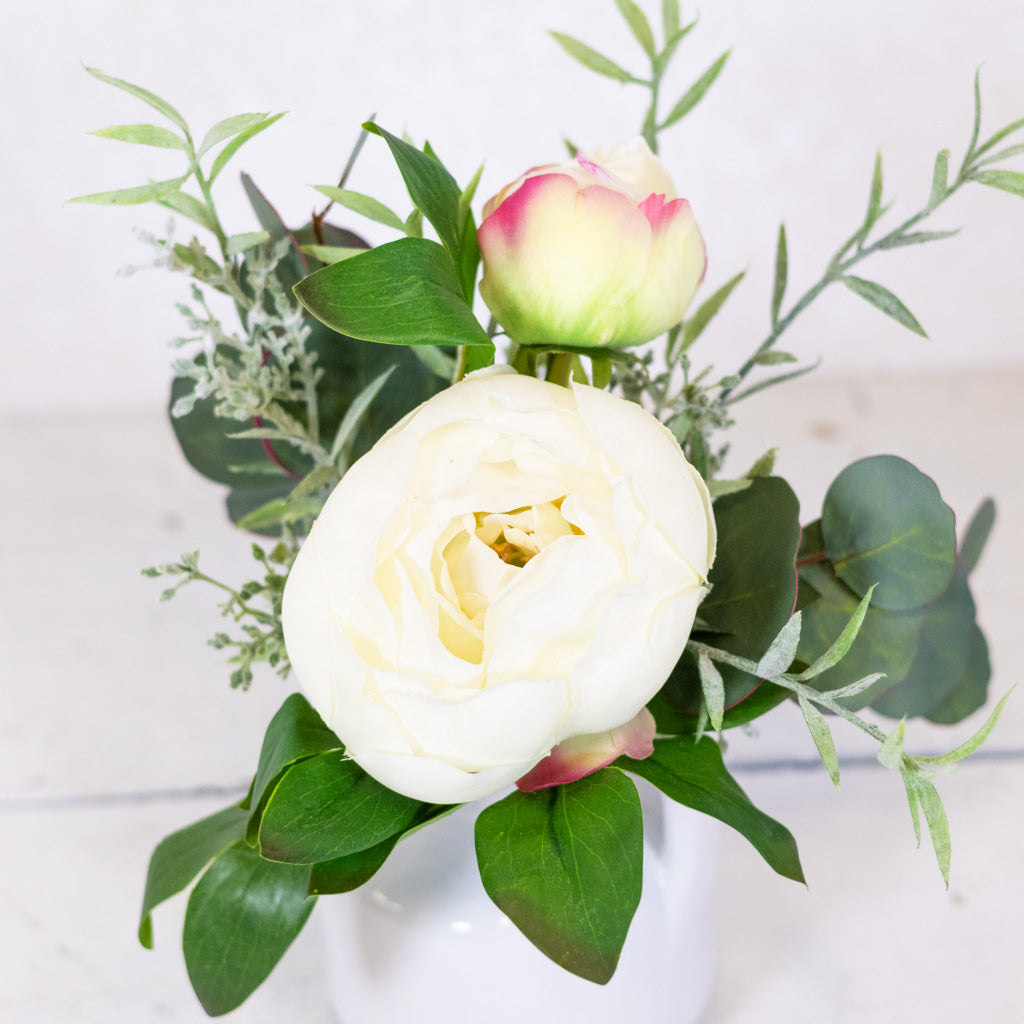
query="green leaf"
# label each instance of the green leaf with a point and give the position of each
(236, 144)
(713, 689)
(403, 293)
(752, 597)
(890, 753)
(976, 536)
(638, 25)
(189, 206)
(976, 127)
(242, 916)
(143, 135)
(764, 465)
(999, 136)
(180, 857)
(672, 42)
(694, 325)
(781, 274)
(327, 807)
(1006, 181)
(843, 642)
(971, 745)
(883, 299)
(565, 865)
(874, 198)
(773, 357)
(885, 522)
(940, 178)
(227, 128)
(328, 254)
(822, 736)
(696, 92)
(356, 412)
(916, 238)
(295, 733)
(782, 651)
(133, 196)
(279, 511)
(670, 17)
(246, 240)
(365, 206)
(1003, 154)
(590, 58)
(145, 95)
(694, 775)
(935, 815)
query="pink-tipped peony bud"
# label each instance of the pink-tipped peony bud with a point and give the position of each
(597, 251)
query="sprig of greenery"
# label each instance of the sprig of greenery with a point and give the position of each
(673, 33)
(255, 606)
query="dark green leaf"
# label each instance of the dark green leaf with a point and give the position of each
(565, 865)
(142, 135)
(885, 522)
(638, 25)
(327, 807)
(883, 299)
(406, 292)
(133, 196)
(694, 775)
(976, 536)
(694, 325)
(752, 596)
(590, 58)
(145, 95)
(180, 857)
(242, 916)
(1006, 181)
(236, 144)
(696, 92)
(228, 127)
(781, 274)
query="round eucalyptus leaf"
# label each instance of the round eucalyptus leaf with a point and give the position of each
(885, 522)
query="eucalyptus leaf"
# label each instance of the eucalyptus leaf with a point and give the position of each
(590, 58)
(182, 855)
(142, 135)
(693, 774)
(565, 865)
(883, 299)
(242, 916)
(696, 92)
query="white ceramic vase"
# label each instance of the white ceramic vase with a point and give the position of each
(422, 940)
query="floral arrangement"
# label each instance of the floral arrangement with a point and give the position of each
(501, 558)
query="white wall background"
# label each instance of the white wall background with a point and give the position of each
(788, 132)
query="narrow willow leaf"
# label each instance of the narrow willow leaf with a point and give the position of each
(694, 326)
(365, 206)
(883, 299)
(719, 488)
(940, 177)
(466, 199)
(565, 865)
(970, 746)
(938, 823)
(246, 240)
(672, 42)
(590, 58)
(772, 381)
(976, 535)
(435, 360)
(280, 511)
(189, 206)
(914, 804)
(145, 95)
(356, 411)
(875, 197)
(696, 92)
(1006, 181)
(227, 128)
(133, 196)
(843, 643)
(236, 144)
(856, 687)
(143, 135)
(822, 736)
(242, 916)
(890, 753)
(713, 687)
(180, 857)
(322, 476)
(1003, 154)
(670, 17)
(765, 465)
(782, 651)
(781, 273)
(773, 357)
(328, 254)
(638, 25)
(916, 238)
(976, 128)
(999, 136)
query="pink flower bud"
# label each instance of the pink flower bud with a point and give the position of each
(597, 251)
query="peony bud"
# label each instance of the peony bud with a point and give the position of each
(597, 251)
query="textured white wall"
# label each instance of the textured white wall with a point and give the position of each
(788, 132)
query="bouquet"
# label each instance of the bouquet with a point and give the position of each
(500, 553)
